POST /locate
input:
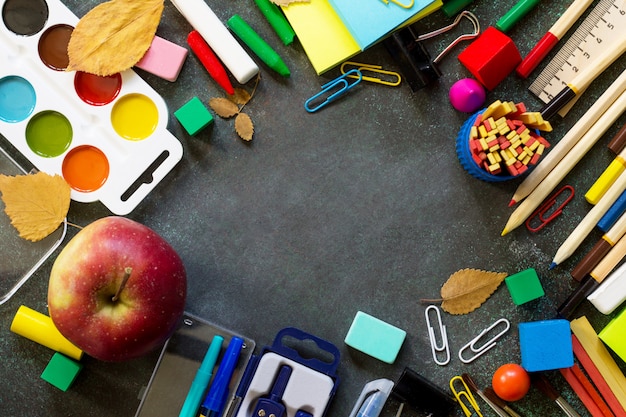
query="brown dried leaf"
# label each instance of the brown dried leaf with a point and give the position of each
(36, 204)
(468, 289)
(244, 126)
(223, 107)
(288, 2)
(241, 97)
(113, 36)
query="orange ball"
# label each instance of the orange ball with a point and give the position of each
(511, 382)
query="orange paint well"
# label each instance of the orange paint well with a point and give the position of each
(85, 168)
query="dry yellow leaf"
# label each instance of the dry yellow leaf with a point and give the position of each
(223, 107)
(244, 126)
(36, 204)
(468, 289)
(113, 36)
(240, 97)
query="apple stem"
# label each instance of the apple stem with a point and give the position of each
(127, 272)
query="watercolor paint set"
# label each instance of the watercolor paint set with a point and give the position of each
(107, 136)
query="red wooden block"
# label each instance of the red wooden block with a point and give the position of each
(491, 57)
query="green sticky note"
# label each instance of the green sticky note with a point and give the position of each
(194, 116)
(524, 286)
(61, 371)
(375, 337)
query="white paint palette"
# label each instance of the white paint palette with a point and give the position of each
(106, 136)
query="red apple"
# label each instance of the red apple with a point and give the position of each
(117, 289)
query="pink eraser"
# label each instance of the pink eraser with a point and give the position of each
(164, 59)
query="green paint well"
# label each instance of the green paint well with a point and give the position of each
(49, 133)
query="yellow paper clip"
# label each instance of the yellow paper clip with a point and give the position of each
(397, 3)
(485, 346)
(333, 90)
(463, 396)
(436, 347)
(376, 69)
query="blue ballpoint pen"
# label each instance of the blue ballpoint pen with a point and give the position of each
(214, 401)
(201, 380)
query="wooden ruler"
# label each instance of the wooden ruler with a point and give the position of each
(601, 29)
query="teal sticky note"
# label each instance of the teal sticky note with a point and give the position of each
(61, 371)
(375, 337)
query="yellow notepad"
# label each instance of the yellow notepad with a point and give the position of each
(323, 35)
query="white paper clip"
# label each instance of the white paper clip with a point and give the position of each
(435, 347)
(485, 345)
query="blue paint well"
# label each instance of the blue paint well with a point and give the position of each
(17, 99)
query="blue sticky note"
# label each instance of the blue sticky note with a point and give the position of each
(371, 21)
(546, 345)
(375, 337)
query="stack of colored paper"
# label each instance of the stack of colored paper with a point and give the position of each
(332, 31)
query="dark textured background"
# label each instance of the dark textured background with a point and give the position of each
(361, 206)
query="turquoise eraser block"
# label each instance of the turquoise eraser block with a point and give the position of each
(375, 337)
(546, 345)
(613, 335)
(194, 116)
(61, 371)
(524, 286)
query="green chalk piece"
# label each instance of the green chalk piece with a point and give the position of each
(61, 371)
(258, 45)
(194, 116)
(524, 286)
(277, 20)
(515, 14)
(453, 7)
(613, 335)
(375, 337)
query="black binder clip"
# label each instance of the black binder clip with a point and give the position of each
(421, 395)
(407, 49)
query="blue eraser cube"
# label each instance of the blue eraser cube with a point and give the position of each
(546, 345)
(375, 337)
(524, 286)
(194, 116)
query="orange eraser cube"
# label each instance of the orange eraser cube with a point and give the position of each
(491, 57)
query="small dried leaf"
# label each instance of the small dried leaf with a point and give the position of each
(36, 204)
(223, 107)
(244, 126)
(113, 36)
(468, 289)
(288, 2)
(240, 97)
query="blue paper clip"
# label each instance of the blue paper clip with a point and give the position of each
(540, 213)
(341, 83)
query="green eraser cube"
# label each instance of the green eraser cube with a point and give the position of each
(524, 286)
(375, 337)
(613, 335)
(194, 116)
(61, 371)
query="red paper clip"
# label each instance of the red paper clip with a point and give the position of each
(547, 205)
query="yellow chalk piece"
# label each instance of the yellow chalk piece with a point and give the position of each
(605, 180)
(491, 158)
(534, 146)
(482, 131)
(540, 149)
(494, 167)
(601, 357)
(40, 328)
(483, 144)
(526, 159)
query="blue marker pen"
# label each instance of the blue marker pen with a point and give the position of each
(201, 380)
(214, 401)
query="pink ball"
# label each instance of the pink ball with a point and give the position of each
(467, 95)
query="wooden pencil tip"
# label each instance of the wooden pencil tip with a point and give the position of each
(504, 232)
(512, 202)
